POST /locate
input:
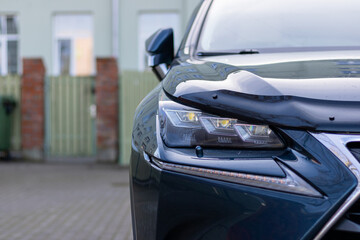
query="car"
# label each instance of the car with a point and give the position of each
(254, 129)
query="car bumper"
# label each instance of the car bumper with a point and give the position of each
(172, 205)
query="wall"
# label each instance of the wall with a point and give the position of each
(36, 40)
(134, 85)
(129, 12)
(36, 31)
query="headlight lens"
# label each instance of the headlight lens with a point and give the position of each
(182, 126)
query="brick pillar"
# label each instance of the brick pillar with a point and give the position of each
(32, 109)
(107, 122)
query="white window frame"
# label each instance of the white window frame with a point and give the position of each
(56, 46)
(4, 38)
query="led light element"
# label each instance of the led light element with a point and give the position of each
(223, 123)
(291, 183)
(182, 126)
(219, 126)
(256, 133)
(180, 118)
(185, 116)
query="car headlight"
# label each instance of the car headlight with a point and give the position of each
(182, 126)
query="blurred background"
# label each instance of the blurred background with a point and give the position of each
(71, 75)
(77, 70)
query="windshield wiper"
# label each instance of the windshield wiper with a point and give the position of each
(245, 51)
(249, 51)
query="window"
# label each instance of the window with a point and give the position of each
(73, 45)
(271, 25)
(9, 53)
(149, 23)
(65, 55)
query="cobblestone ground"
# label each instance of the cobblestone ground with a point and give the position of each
(64, 201)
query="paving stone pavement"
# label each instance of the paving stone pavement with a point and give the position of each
(64, 201)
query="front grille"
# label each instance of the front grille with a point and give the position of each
(348, 228)
(354, 148)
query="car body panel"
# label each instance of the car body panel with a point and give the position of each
(296, 94)
(300, 97)
(161, 199)
(170, 205)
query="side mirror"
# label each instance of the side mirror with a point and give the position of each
(160, 48)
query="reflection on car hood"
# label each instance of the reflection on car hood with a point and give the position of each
(309, 89)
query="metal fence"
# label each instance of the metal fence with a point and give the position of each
(70, 108)
(11, 86)
(134, 86)
(70, 128)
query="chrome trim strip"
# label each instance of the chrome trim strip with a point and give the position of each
(191, 40)
(290, 184)
(336, 143)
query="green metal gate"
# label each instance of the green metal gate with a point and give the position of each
(71, 113)
(134, 87)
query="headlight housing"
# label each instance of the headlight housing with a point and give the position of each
(182, 126)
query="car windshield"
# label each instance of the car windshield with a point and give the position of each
(235, 25)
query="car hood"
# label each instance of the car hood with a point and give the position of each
(318, 91)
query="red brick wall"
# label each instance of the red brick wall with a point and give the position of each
(32, 108)
(107, 109)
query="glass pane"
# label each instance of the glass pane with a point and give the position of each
(271, 24)
(1, 25)
(83, 56)
(65, 56)
(12, 55)
(11, 25)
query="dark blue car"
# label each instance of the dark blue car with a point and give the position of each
(254, 130)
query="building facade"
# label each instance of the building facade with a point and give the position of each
(77, 113)
(68, 34)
